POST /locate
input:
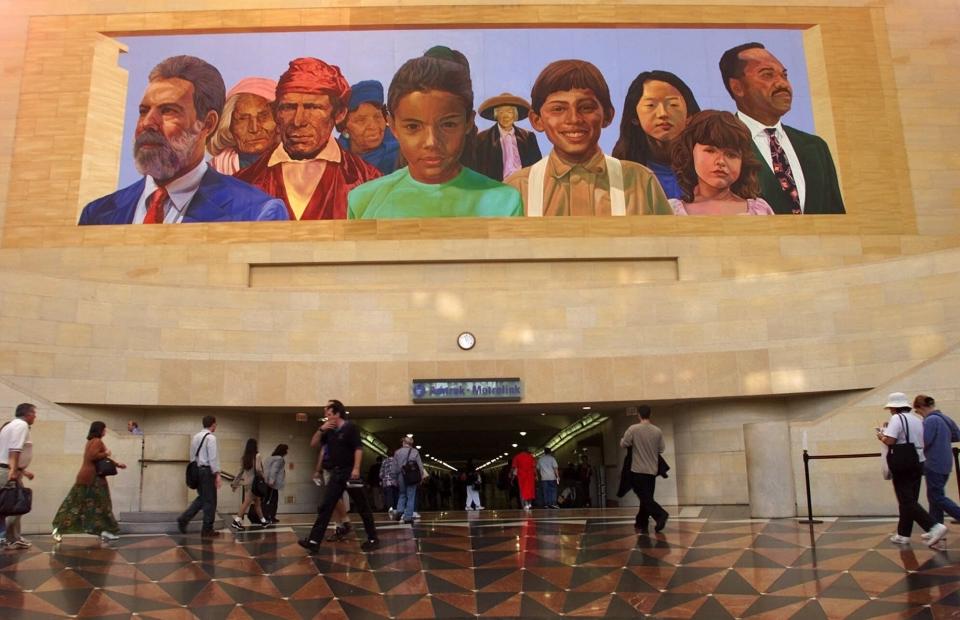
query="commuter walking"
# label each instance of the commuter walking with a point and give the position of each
(321, 476)
(388, 482)
(275, 472)
(251, 468)
(939, 431)
(16, 452)
(87, 509)
(906, 467)
(646, 442)
(549, 471)
(473, 481)
(203, 452)
(344, 452)
(411, 474)
(524, 469)
(373, 482)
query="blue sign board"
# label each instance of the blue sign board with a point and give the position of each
(466, 390)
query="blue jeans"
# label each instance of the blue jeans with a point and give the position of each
(406, 503)
(938, 502)
(549, 490)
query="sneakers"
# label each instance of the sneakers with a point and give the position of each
(416, 515)
(339, 534)
(106, 536)
(264, 524)
(370, 545)
(19, 543)
(897, 539)
(57, 536)
(937, 533)
(310, 545)
(237, 524)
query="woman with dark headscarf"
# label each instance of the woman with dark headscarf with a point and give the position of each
(87, 507)
(655, 111)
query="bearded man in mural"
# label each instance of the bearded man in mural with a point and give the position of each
(505, 148)
(309, 171)
(246, 129)
(179, 110)
(798, 175)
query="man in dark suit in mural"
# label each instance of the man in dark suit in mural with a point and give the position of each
(505, 148)
(179, 109)
(799, 176)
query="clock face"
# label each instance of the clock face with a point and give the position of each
(466, 340)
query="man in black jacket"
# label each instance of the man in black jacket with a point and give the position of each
(341, 439)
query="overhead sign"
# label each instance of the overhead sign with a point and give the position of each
(466, 390)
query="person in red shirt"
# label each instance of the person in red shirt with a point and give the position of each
(524, 468)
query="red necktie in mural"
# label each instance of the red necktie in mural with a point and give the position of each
(781, 169)
(155, 206)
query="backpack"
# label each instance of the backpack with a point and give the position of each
(411, 470)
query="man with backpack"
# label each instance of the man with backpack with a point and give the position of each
(939, 431)
(411, 474)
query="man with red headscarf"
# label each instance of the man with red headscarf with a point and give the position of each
(308, 170)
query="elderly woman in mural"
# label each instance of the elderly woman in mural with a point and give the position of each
(656, 109)
(431, 111)
(505, 148)
(364, 132)
(247, 129)
(716, 168)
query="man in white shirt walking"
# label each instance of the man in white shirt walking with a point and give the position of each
(16, 452)
(549, 472)
(203, 450)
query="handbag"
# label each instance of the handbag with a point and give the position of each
(662, 467)
(193, 470)
(106, 467)
(15, 499)
(902, 457)
(259, 487)
(411, 471)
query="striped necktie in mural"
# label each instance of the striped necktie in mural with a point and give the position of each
(781, 169)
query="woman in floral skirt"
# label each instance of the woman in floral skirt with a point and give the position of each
(87, 507)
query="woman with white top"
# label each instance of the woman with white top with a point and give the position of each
(906, 428)
(251, 466)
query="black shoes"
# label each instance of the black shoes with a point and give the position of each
(340, 533)
(237, 525)
(182, 526)
(661, 523)
(309, 545)
(370, 545)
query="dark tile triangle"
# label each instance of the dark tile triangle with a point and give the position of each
(535, 559)
(70, 601)
(704, 553)
(399, 603)
(256, 614)
(769, 603)
(136, 555)
(769, 542)
(134, 603)
(158, 571)
(646, 542)
(533, 583)
(388, 579)
(442, 609)
(669, 600)
(589, 540)
(881, 608)
(489, 600)
(427, 546)
(308, 609)
(31, 579)
(102, 580)
(821, 554)
(844, 587)
(838, 540)
(486, 557)
(810, 611)
(924, 614)
(437, 585)
(355, 612)
(631, 583)
(530, 608)
(271, 565)
(619, 608)
(752, 559)
(431, 563)
(795, 576)
(379, 561)
(873, 561)
(183, 591)
(483, 577)
(639, 558)
(711, 539)
(734, 583)
(952, 599)
(27, 614)
(919, 581)
(842, 525)
(576, 600)
(784, 527)
(326, 567)
(243, 595)
(939, 561)
(289, 584)
(586, 574)
(712, 610)
(341, 589)
(223, 572)
(716, 526)
(213, 612)
(589, 555)
(687, 574)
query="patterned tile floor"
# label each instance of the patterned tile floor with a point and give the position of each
(498, 564)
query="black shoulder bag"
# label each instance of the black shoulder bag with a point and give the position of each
(193, 470)
(902, 457)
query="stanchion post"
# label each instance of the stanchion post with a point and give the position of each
(806, 475)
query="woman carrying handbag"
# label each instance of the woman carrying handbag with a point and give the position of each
(87, 507)
(253, 483)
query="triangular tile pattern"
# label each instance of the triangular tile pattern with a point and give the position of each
(579, 563)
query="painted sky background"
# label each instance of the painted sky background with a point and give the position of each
(501, 60)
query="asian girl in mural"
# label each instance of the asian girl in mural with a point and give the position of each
(430, 101)
(716, 168)
(656, 109)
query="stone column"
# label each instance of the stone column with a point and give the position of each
(769, 470)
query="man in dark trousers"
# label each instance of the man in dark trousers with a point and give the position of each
(341, 438)
(204, 450)
(646, 440)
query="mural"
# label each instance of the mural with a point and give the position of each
(292, 138)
